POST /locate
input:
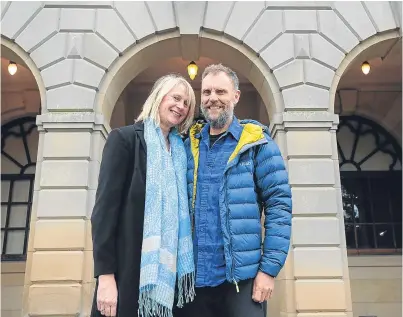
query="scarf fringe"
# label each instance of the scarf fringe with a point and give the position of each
(148, 307)
(186, 289)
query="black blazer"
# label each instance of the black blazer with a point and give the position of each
(118, 215)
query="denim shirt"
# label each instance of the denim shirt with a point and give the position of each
(208, 239)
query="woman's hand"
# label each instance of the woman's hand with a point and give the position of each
(107, 295)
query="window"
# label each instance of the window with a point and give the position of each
(370, 172)
(19, 141)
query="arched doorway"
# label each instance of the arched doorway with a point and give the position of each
(150, 53)
(21, 95)
(369, 157)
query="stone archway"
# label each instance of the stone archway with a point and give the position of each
(13, 51)
(172, 44)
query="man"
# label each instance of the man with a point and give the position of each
(235, 171)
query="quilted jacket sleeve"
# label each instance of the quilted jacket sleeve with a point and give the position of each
(275, 196)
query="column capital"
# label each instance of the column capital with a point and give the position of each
(57, 121)
(303, 120)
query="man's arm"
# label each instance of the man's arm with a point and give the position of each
(275, 194)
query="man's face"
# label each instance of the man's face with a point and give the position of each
(218, 99)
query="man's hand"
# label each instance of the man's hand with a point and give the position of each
(107, 295)
(262, 287)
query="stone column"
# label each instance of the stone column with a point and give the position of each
(59, 278)
(315, 280)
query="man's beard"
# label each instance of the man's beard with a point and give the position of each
(223, 118)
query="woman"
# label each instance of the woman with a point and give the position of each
(140, 223)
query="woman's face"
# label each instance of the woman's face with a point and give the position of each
(174, 107)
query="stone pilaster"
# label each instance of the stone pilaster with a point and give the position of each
(60, 266)
(315, 280)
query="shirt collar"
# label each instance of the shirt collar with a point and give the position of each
(235, 129)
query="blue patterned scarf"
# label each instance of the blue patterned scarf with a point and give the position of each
(167, 252)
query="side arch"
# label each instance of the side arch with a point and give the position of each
(13, 51)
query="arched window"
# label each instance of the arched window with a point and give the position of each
(19, 143)
(371, 180)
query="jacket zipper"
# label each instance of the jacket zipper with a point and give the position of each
(230, 240)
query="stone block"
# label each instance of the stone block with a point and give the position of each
(300, 20)
(333, 28)
(325, 52)
(314, 201)
(91, 197)
(11, 313)
(108, 25)
(77, 19)
(97, 51)
(42, 27)
(301, 46)
(317, 262)
(13, 267)
(58, 74)
(216, 14)
(378, 309)
(290, 74)
(87, 74)
(375, 261)
(356, 17)
(67, 174)
(309, 143)
(12, 279)
(266, 29)
(279, 52)
(97, 145)
(137, 17)
(11, 297)
(51, 51)
(376, 290)
(375, 272)
(163, 14)
(189, 16)
(306, 97)
(94, 168)
(60, 234)
(88, 275)
(247, 12)
(62, 203)
(53, 299)
(320, 295)
(17, 16)
(70, 97)
(67, 145)
(57, 266)
(311, 231)
(88, 296)
(317, 74)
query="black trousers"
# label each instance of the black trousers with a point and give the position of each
(223, 301)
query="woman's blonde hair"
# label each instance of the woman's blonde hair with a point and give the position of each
(160, 89)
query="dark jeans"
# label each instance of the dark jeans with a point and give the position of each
(223, 301)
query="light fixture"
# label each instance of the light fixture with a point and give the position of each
(365, 67)
(12, 68)
(192, 70)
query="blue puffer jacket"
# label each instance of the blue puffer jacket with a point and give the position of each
(255, 179)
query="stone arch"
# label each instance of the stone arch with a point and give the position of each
(302, 45)
(171, 44)
(12, 50)
(352, 55)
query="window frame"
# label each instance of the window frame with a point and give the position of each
(7, 131)
(396, 155)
